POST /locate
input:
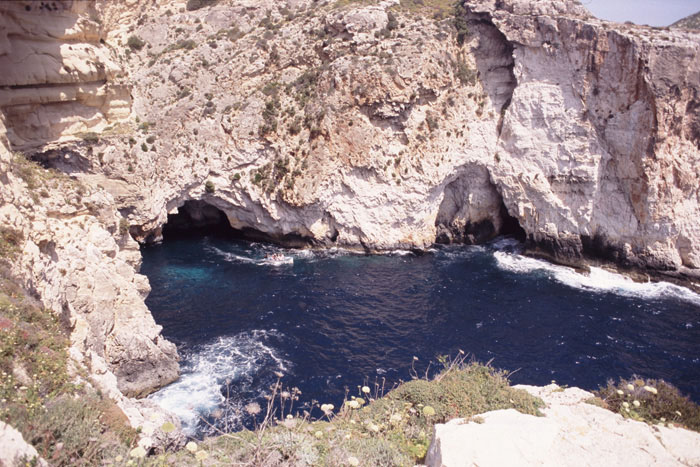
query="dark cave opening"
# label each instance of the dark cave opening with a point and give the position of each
(510, 226)
(197, 218)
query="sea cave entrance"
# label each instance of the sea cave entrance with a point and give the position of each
(196, 218)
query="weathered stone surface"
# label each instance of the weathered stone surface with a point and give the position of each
(14, 450)
(59, 79)
(571, 432)
(600, 136)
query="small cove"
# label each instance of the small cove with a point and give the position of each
(333, 320)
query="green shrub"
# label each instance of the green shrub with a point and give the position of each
(197, 4)
(91, 137)
(209, 187)
(123, 226)
(656, 401)
(135, 43)
(460, 22)
(294, 128)
(10, 241)
(466, 75)
(269, 114)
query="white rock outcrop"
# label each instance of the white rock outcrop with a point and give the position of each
(571, 433)
(14, 450)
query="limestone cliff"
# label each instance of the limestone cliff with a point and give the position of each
(364, 124)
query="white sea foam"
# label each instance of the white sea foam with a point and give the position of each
(207, 369)
(598, 280)
(232, 257)
(398, 253)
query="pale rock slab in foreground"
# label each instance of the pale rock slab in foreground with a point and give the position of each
(572, 432)
(13, 448)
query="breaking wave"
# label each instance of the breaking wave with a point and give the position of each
(217, 378)
(597, 280)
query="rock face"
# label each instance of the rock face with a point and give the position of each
(384, 134)
(316, 122)
(59, 78)
(14, 449)
(571, 432)
(601, 135)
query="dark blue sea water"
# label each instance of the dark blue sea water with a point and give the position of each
(329, 320)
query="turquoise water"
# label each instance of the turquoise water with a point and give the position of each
(331, 320)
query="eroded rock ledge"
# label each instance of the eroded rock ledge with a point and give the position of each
(571, 432)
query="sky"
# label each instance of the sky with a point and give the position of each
(651, 12)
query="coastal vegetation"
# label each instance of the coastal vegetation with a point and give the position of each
(370, 428)
(43, 395)
(650, 400)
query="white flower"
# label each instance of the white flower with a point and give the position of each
(626, 405)
(290, 416)
(253, 408)
(630, 387)
(353, 404)
(146, 442)
(636, 403)
(620, 392)
(651, 389)
(373, 427)
(319, 434)
(138, 452)
(353, 461)
(365, 389)
(327, 408)
(678, 413)
(191, 446)
(662, 420)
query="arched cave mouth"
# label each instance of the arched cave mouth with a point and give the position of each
(475, 233)
(197, 218)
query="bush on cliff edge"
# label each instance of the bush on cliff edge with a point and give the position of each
(370, 428)
(650, 400)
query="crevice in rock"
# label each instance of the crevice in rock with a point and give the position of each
(494, 62)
